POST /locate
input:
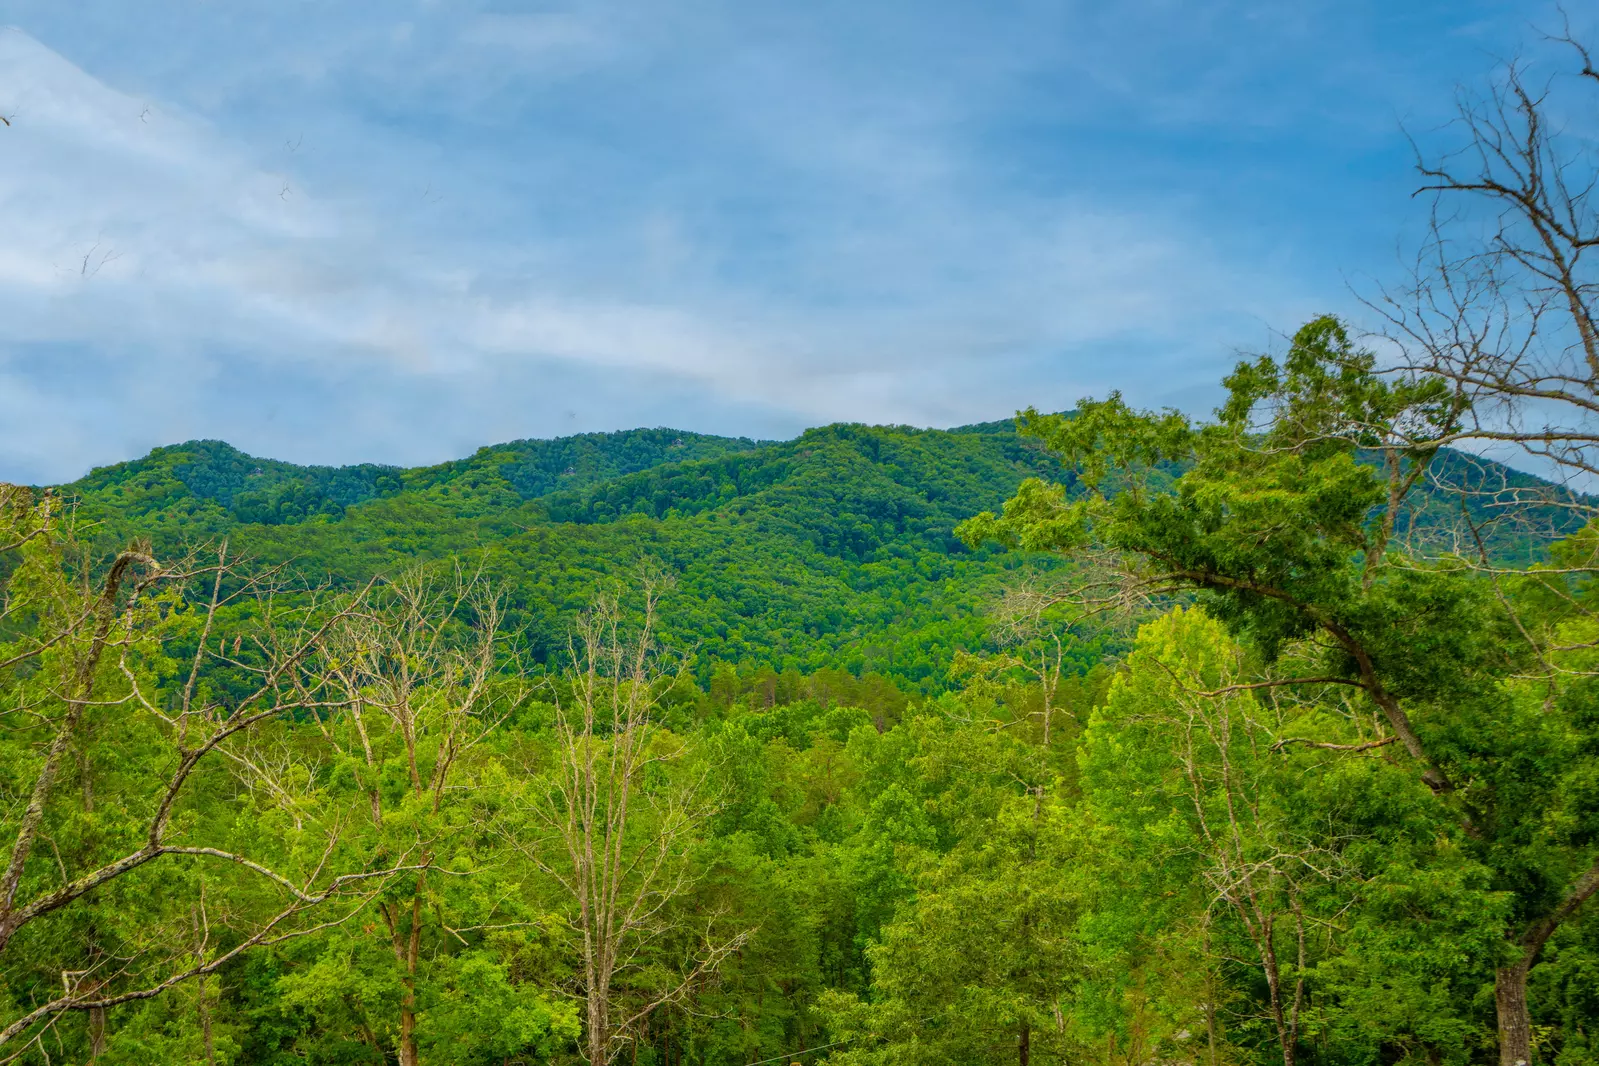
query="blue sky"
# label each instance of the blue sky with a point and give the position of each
(396, 231)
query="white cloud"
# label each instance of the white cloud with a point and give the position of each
(153, 262)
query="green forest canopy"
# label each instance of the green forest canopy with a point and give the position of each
(1113, 737)
(832, 551)
(909, 798)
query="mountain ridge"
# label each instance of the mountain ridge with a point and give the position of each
(834, 548)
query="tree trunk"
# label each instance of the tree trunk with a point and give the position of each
(407, 949)
(1024, 1045)
(96, 1033)
(599, 1030)
(408, 1054)
(1268, 964)
(1515, 1023)
(205, 1027)
(408, 1028)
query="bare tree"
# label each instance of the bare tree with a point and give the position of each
(1027, 625)
(616, 827)
(415, 672)
(82, 649)
(1502, 301)
(1504, 305)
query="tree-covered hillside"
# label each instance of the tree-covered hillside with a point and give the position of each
(206, 486)
(833, 550)
(882, 816)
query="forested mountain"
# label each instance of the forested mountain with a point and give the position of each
(207, 486)
(904, 784)
(833, 550)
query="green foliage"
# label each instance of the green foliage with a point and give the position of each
(205, 486)
(1311, 812)
(833, 551)
(1244, 844)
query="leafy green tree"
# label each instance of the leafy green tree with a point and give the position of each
(123, 701)
(979, 965)
(1283, 521)
(1261, 848)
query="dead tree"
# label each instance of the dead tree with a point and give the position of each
(1504, 306)
(413, 669)
(1504, 294)
(612, 839)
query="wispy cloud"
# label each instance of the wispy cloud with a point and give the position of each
(418, 230)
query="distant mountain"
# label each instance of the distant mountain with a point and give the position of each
(835, 548)
(208, 485)
(832, 549)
